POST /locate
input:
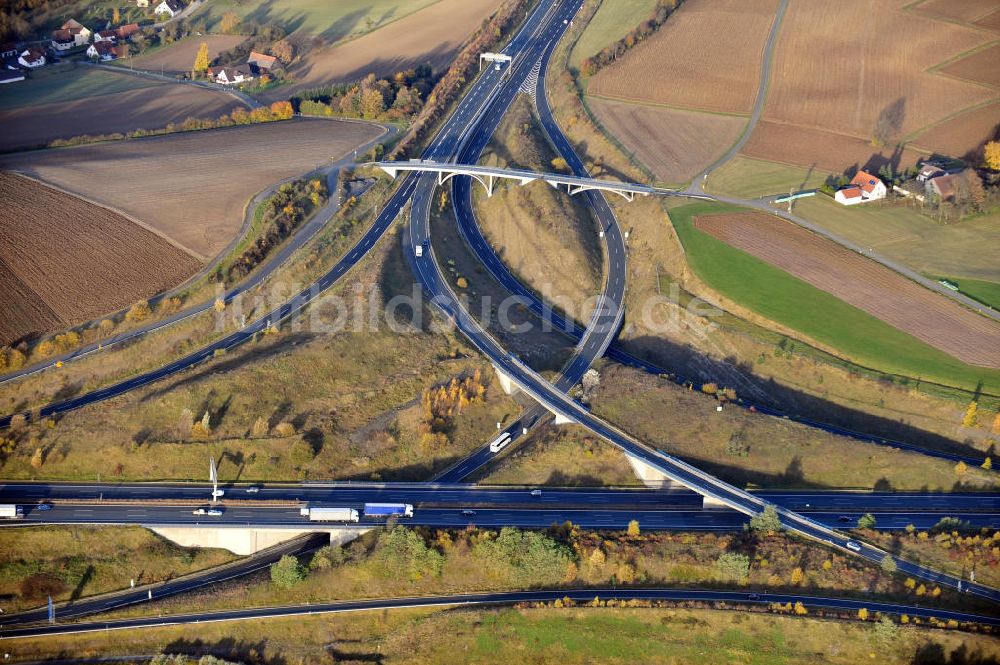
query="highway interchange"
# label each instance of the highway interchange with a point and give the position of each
(462, 138)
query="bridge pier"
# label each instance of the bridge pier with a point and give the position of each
(508, 385)
(650, 476)
(247, 541)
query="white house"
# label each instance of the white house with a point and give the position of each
(863, 187)
(81, 34)
(31, 58)
(103, 50)
(169, 7)
(231, 75)
(142, 3)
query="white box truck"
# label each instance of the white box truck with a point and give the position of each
(323, 514)
(10, 511)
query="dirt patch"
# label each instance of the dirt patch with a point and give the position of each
(147, 108)
(64, 261)
(964, 134)
(675, 145)
(706, 57)
(882, 54)
(180, 56)
(431, 35)
(979, 67)
(990, 21)
(192, 187)
(864, 284)
(969, 11)
(826, 151)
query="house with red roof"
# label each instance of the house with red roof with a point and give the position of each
(863, 187)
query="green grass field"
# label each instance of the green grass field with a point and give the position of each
(749, 178)
(65, 84)
(787, 300)
(333, 21)
(612, 21)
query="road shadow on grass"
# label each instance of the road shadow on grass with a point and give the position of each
(933, 653)
(687, 362)
(246, 355)
(227, 648)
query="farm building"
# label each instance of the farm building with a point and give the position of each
(260, 63)
(863, 187)
(126, 31)
(80, 33)
(231, 75)
(31, 57)
(109, 36)
(105, 51)
(169, 7)
(943, 186)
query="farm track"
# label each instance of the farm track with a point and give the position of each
(862, 283)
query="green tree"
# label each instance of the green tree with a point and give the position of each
(372, 104)
(403, 552)
(201, 60)
(523, 557)
(888, 564)
(287, 572)
(866, 521)
(885, 631)
(230, 21)
(733, 566)
(767, 521)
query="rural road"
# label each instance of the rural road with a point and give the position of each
(300, 237)
(738, 598)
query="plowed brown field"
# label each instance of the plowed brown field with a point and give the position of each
(192, 187)
(147, 108)
(990, 21)
(179, 56)
(431, 35)
(707, 56)
(959, 10)
(862, 283)
(676, 145)
(64, 261)
(979, 67)
(965, 134)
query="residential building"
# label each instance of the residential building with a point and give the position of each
(31, 57)
(169, 7)
(231, 75)
(105, 51)
(142, 3)
(943, 186)
(81, 34)
(262, 64)
(110, 36)
(863, 187)
(126, 31)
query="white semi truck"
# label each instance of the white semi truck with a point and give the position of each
(323, 514)
(10, 511)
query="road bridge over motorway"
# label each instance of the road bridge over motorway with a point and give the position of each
(488, 175)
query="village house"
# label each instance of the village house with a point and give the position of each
(32, 57)
(230, 75)
(942, 186)
(262, 64)
(126, 31)
(862, 188)
(142, 3)
(170, 8)
(69, 35)
(8, 50)
(105, 51)
(108, 36)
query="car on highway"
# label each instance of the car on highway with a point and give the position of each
(536, 492)
(845, 518)
(213, 512)
(253, 489)
(218, 493)
(854, 545)
(45, 506)
(468, 513)
(753, 596)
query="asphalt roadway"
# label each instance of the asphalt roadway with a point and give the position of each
(731, 599)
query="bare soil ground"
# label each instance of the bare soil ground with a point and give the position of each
(431, 35)
(192, 186)
(990, 21)
(676, 145)
(64, 261)
(980, 67)
(866, 285)
(964, 134)
(969, 11)
(706, 57)
(179, 56)
(883, 54)
(147, 108)
(826, 151)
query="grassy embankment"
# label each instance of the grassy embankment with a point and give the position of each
(793, 303)
(571, 636)
(611, 22)
(70, 563)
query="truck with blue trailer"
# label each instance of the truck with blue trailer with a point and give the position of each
(388, 510)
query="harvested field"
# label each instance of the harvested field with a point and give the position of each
(151, 107)
(826, 151)
(192, 187)
(675, 145)
(990, 21)
(969, 11)
(432, 35)
(864, 284)
(705, 57)
(179, 56)
(963, 135)
(882, 54)
(980, 67)
(66, 82)
(64, 261)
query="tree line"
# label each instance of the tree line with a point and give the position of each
(607, 55)
(397, 97)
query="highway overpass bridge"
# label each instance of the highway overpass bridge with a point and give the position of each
(488, 175)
